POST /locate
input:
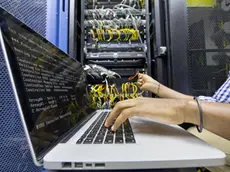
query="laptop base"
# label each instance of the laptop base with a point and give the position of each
(157, 146)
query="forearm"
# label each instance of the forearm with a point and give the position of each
(165, 92)
(216, 117)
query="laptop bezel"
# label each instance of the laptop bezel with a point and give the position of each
(15, 88)
(19, 93)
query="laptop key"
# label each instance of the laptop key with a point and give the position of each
(98, 140)
(129, 135)
(90, 136)
(103, 130)
(109, 139)
(79, 141)
(96, 128)
(130, 140)
(101, 134)
(119, 140)
(88, 141)
(128, 131)
(93, 132)
(119, 133)
(127, 126)
(110, 132)
(83, 136)
(126, 123)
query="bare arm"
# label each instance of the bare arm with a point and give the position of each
(166, 92)
(147, 83)
(216, 117)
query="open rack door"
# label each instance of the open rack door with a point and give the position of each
(209, 45)
(198, 45)
(169, 40)
(158, 43)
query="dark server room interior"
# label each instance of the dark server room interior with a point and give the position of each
(182, 44)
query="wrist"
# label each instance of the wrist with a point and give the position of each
(191, 112)
(155, 86)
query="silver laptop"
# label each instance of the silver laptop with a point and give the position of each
(65, 132)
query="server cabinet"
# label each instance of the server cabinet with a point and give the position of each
(209, 45)
(177, 45)
(162, 41)
(199, 45)
(115, 49)
(187, 43)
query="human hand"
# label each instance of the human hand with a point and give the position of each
(164, 110)
(147, 83)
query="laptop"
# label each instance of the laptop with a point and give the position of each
(64, 132)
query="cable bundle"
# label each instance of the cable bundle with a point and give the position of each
(132, 3)
(100, 94)
(123, 22)
(115, 34)
(115, 23)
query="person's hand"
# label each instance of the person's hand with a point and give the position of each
(147, 83)
(164, 110)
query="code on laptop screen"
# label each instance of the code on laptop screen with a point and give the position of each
(54, 86)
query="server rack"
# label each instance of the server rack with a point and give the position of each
(187, 43)
(161, 44)
(116, 50)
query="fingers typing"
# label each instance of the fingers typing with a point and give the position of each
(119, 107)
(125, 114)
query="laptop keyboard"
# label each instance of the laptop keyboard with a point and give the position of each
(97, 133)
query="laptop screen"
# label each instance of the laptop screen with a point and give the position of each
(52, 87)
